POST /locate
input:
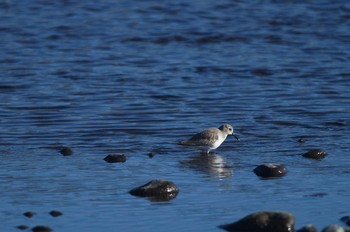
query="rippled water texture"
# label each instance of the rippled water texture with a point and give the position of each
(134, 77)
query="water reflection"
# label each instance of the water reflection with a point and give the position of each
(214, 165)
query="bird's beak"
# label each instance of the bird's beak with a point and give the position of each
(236, 137)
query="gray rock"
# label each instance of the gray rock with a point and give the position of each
(270, 170)
(263, 221)
(308, 228)
(156, 190)
(333, 228)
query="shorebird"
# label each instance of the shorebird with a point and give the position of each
(211, 138)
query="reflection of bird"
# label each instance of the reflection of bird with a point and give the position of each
(211, 138)
(214, 165)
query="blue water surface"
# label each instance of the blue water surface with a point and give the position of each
(134, 77)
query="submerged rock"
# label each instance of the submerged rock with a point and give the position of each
(66, 151)
(308, 228)
(263, 221)
(270, 170)
(346, 220)
(22, 227)
(41, 229)
(156, 190)
(333, 228)
(316, 154)
(55, 213)
(151, 155)
(29, 214)
(115, 158)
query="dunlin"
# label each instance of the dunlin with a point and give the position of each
(211, 138)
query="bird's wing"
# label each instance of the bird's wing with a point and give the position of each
(204, 137)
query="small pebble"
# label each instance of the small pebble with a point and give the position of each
(29, 214)
(55, 213)
(316, 195)
(66, 151)
(115, 158)
(270, 170)
(308, 228)
(151, 155)
(316, 154)
(262, 72)
(22, 227)
(333, 228)
(41, 229)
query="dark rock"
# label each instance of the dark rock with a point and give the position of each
(29, 214)
(151, 154)
(262, 72)
(66, 151)
(301, 140)
(41, 229)
(270, 170)
(263, 221)
(316, 154)
(115, 158)
(346, 220)
(156, 190)
(55, 213)
(308, 228)
(22, 227)
(333, 228)
(316, 195)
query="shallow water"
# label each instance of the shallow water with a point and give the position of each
(137, 77)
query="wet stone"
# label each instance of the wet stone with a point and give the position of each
(346, 220)
(262, 72)
(263, 221)
(333, 228)
(29, 214)
(55, 213)
(316, 195)
(41, 229)
(66, 151)
(307, 228)
(115, 158)
(316, 154)
(151, 155)
(22, 227)
(270, 170)
(156, 190)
